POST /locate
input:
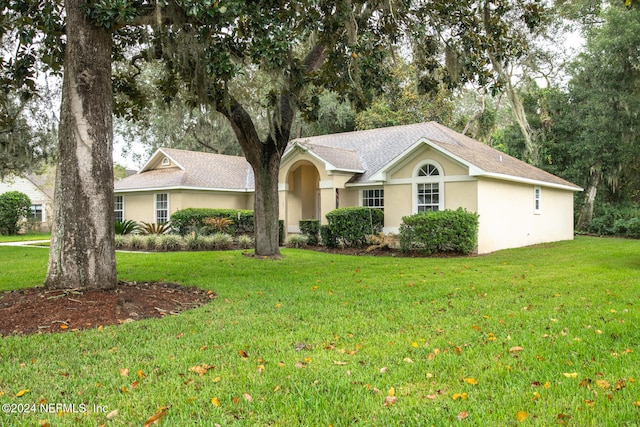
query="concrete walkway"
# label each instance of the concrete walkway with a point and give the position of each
(33, 243)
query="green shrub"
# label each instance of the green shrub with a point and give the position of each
(442, 231)
(352, 226)
(297, 241)
(183, 220)
(15, 207)
(615, 220)
(311, 229)
(327, 238)
(127, 226)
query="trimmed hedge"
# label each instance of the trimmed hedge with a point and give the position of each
(441, 231)
(185, 219)
(311, 229)
(352, 226)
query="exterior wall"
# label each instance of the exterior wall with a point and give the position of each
(36, 195)
(399, 191)
(140, 206)
(507, 218)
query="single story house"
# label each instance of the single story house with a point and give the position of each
(39, 187)
(402, 170)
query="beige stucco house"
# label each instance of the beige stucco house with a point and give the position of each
(402, 170)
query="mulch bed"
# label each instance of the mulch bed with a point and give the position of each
(35, 310)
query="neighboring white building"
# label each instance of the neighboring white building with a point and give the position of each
(39, 188)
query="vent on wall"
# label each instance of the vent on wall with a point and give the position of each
(166, 162)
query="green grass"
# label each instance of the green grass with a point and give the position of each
(25, 237)
(328, 337)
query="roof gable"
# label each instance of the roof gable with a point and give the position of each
(378, 150)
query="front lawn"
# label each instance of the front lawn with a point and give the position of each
(25, 237)
(544, 335)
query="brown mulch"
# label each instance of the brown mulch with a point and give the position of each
(35, 310)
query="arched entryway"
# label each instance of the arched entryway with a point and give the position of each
(302, 195)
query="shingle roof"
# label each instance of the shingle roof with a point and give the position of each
(368, 153)
(379, 148)
(195, 170)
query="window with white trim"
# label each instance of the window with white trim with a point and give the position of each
(162, 208)
(37, 213)
(537, 199)
(118, 210)
(428, 197)
(373, 198)
(428, 187)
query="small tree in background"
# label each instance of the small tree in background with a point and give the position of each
(14, 207)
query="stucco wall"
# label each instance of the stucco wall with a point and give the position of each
(140, 206)
(507, 218)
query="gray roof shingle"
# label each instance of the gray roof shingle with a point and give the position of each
(377, 148)
(197, 170)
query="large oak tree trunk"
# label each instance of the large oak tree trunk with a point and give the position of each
(82, 241)
(264, 158)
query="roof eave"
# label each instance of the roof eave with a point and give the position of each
(504, 177)
(183, 187)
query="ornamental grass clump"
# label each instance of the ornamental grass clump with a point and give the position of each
(297, 241)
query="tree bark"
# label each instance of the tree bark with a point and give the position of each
(586, 211)
(82, 251)
(264, 158)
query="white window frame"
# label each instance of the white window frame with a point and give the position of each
(157, 208)
(378, 195)
(537, 200)
(419, 181)
(118, 207)
(34, 210)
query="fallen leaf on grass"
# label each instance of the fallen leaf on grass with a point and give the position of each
(337, 362)
(390, 400)
(201, 369)
(23, 392)
(603, 384)
(124, 372)
(456, 396)
(431, 396)
(215, 401)
(111, 415)
(44, 423)
(471, 381)
(462, 415)
(570, 374)
(637, 403)
(159, 414)
(516, 349)
(521, 416)
(247, 397)
(243, 354)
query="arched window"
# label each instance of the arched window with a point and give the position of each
(428, 188)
